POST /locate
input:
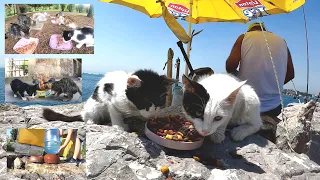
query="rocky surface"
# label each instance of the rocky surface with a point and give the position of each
(12, 116)
(115, 154)
(302, 138)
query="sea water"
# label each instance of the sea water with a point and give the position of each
(52, 141)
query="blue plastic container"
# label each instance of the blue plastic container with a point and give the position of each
(52, 141)
(177, 95)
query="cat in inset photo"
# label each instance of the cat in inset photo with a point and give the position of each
(119, 95)
(216, 101)
(17, 32)
(18, 88)
(66, 86)
(81, 36)
(67, 21)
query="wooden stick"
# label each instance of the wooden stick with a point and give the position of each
(169, 74)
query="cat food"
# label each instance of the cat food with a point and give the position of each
(174, 128)
(56, 42)
(164, 169)
(26, 46)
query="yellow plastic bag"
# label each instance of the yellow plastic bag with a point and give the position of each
(33, 137)
(68, 150)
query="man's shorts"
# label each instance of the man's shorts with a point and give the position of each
(81, 133)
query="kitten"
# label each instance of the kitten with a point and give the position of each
(67, 21)
(17, 32)
(66, 86)
(24, 22)
(119, 95)
(80, 36)
(18, 87)
(219, 100)
(60, 14)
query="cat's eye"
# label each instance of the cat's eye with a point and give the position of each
(198, 113)
(217, 118)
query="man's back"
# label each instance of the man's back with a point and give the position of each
(256, 67)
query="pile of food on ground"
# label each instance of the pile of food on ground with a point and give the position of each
(27, 49)
(174, 128)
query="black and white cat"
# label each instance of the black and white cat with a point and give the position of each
(119, 95)
(18, 87)
(216, 101)
(81, 36)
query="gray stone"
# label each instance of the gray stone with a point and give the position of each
(115, 154)
(295, 132)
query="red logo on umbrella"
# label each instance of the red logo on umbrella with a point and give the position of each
(179, 8)
(247, 3)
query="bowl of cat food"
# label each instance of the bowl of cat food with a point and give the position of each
(26, 46)
(173, 132)
(56, 42)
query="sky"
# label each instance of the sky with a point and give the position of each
(129, 40)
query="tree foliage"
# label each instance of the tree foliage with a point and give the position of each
(90, 13)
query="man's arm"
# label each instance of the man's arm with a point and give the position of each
(234, 58)
(290, 69)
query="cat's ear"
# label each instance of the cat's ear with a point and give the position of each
(133, 81)
(187, 83)
(168, 81)
(232, 97)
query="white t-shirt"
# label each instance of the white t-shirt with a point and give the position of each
(257, 69)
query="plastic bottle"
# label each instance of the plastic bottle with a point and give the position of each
(52, 141)
(177, 95)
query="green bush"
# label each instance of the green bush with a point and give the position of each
(10, 146)
(9, 11)
(23, 8)
(63, 7)
(81, 8)
(71, 7)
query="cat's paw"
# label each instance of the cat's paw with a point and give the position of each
(239, 133)
(15, 96)
(78, 46)
(24, 98)
(217, 137)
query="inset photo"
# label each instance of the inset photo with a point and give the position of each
(43, 80)
(46, 151)
(49, 29)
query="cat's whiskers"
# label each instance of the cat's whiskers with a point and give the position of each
(201, 99)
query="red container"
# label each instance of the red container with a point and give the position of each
(51, 159)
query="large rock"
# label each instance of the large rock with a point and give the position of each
(115, 154)
(300, 130)
(12, 116)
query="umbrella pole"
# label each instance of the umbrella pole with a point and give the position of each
(189, 34)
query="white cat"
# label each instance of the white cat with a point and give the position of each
(215, 101)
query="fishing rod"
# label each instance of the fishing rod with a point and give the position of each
(307, 46)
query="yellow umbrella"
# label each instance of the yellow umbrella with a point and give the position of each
(202, 11)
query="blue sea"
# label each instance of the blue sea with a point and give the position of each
(89, 82)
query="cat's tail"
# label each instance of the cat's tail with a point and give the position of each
(51, 115)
